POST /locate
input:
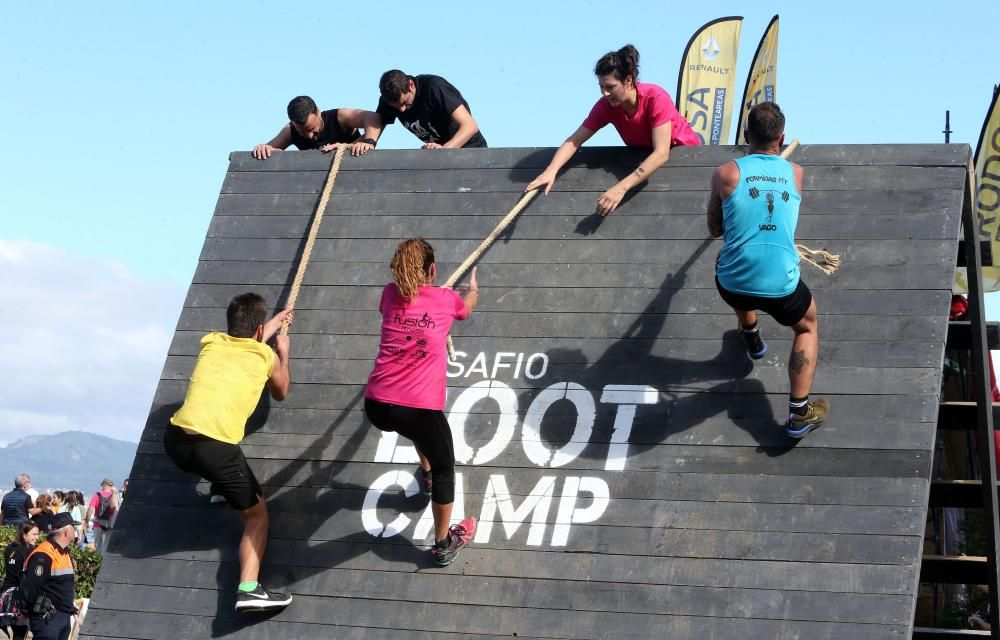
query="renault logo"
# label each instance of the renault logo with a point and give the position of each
(710, 48)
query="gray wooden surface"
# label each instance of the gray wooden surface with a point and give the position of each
(717, 526)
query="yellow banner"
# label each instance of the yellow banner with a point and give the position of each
(762, 81)
(707, 79)
(987, 196)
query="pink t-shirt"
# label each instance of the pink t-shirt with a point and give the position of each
(412, 363)
(95, 504)
(656, 107)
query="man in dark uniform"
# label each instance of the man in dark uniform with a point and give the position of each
(310, 128)
(430, 107)
(17, 506)
(48, 584)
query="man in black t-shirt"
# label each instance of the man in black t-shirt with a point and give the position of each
(310, 128)
(430, 107)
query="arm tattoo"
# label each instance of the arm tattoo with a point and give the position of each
(638, 172)
(798, 360)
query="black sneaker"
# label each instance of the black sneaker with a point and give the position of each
(261, 599)
(459, 535)
(424, 480)
(756, 347)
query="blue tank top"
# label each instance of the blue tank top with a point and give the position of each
(758, 256)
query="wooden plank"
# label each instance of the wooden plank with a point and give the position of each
(853, 429)
(954, 569)
(537, 593)
(786, 461)
(961, 416)
(373, 617)
(892, 201)
(378, 612)
(860, 353)
(443, 230)
(665, 310)
(696, 256)
(960, 494)
(114, 623)
(673, 556)
(960, 335)
(338, 397)
(985, 251)
(222, 265)
(588, 180)
(929, 633)
(697, 376)
(538, 157)
(702, 487)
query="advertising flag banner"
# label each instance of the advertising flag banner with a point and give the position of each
(762, 81)
(707, 79)
(987, 196)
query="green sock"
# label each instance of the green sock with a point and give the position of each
(249, 585)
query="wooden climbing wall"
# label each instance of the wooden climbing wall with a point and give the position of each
(625, 457)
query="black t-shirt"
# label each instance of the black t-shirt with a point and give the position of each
(332, 132)
(43, 520)
(430, 116)
(13, 561)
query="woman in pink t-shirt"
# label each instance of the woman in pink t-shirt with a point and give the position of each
(644, 115)
(406, 388)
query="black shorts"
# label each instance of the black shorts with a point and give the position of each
(786, 310)
(221, 463)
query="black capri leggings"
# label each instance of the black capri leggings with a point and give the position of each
(430, 433)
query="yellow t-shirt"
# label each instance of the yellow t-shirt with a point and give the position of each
(225, 386)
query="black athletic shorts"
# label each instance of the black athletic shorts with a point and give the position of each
(221, 463)
(786, 310)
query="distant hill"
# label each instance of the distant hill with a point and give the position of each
(70, 460)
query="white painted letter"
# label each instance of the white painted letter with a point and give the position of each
(527, 366)
(498, 497)
(626, 396)
(531, 438)
(369, 510)
(568, 514)
(498, 362)
(478, 366)
(457, 364)
(506, 401)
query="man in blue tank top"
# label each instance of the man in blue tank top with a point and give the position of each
(754, 206)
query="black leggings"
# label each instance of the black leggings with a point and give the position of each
(430, 433)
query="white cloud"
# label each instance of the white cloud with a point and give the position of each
(84, 342)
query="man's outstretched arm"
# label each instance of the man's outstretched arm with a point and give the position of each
(279, 142)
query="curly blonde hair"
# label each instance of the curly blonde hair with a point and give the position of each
(411, 265)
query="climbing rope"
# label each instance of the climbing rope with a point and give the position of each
(313, 231)
(490, 239)
(825, 262)
(819, 258)
(483, 246)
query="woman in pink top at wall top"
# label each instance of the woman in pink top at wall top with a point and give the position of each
(407, 386)
(644, 115)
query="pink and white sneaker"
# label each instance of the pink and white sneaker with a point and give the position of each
(459, 535)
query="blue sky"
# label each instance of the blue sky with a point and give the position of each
(119, 117)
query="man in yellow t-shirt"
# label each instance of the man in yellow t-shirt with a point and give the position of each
(203, 436)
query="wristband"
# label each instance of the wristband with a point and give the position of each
(370, 141)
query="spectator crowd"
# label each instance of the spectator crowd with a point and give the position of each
(96, 512)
